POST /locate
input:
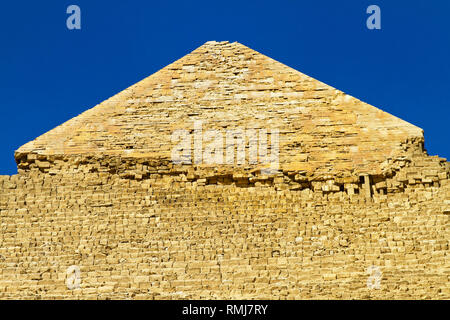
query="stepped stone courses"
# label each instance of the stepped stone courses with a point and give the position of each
(355, 189)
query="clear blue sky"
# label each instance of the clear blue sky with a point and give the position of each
(50, 74)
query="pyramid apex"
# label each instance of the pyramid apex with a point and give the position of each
(213, 42)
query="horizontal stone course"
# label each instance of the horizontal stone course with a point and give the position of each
(219, 241)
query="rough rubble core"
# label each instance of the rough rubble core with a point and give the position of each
(355, 189)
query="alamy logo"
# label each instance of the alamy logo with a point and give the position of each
(208, 148)
(374, 280)
(374, 20)
(74, 20)
(73, 280)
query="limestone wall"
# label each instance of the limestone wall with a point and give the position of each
(228, 87)
(354, 191)
(164, 236)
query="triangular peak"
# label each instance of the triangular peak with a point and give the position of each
(229, 87)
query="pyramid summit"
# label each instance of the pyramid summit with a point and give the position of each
(227, 175)
(229, 86)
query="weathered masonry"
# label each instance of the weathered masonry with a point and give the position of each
(355, 190)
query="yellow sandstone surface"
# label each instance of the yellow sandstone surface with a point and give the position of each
(355, 190)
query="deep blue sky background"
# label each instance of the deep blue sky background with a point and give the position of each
(50, 74)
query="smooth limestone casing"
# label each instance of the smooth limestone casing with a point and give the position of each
(356, 189)
(228, 86)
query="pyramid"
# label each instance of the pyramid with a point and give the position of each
(109, 206)
(227, 86)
